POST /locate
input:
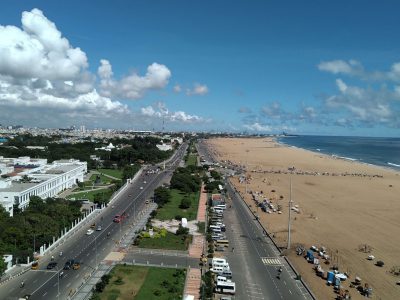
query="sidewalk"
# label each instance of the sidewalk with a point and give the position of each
(196, 249)
(193, 283)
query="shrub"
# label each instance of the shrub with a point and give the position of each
(182, 230)
(185, 203)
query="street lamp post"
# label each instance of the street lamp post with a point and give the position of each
(247, 154)
(95, 249)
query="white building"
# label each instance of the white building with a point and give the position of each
(164, 147)
(42, 179)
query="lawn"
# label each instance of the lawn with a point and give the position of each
(104, 179)
(142, 283)
(169, 242)
(112, 172)
(171, 209)
(90, 195)
(132, 279)
(163, 283)
(192, 160)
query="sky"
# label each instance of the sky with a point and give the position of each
(302, 67)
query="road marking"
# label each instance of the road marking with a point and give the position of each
(251, 292)
(35, 280)
(55, 284)
(272, 261)
(44, 294)
(69, 283)
(88, 254)
(77, 275)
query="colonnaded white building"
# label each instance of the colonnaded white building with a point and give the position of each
(24, 177)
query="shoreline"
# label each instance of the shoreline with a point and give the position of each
(347, 159)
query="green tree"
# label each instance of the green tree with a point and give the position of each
(185, 202)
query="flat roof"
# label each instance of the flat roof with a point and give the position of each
(19, 186)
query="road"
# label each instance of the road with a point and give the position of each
(255, 260)
(89, 250)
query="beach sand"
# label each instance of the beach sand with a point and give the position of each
(338, 212)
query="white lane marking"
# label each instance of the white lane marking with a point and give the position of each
(35, 280)
(69, 283)
(290, 291)
(271, 261)
(44, 294)
(77, 275)
(55, 284)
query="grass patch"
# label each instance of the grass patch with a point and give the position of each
(191, 160)
(132, 278)
(103, 179)
(171, 209)
(143, 283)
(169, 242)
(91, 195)
(112, 172)
(163, 284)
(201, 226)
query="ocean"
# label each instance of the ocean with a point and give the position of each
(371, 150)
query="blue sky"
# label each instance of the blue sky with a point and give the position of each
(315, 67)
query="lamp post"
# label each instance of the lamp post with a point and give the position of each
(247, 154)
(95, 249)
(290, 212)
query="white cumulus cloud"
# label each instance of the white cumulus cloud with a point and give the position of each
(132, 86)
(38, 50)
(198, 89)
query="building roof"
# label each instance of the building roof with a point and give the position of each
(19, 187)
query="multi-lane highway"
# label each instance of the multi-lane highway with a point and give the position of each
(89, 250)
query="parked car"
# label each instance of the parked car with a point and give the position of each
(89, 231)
(99, 228)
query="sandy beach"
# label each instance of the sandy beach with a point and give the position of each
(342, 205)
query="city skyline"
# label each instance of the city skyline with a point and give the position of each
(325, 68)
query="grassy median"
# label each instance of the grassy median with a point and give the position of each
(143, 283)
(172, 209)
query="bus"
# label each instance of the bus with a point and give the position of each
(223, 243)
(226, 287)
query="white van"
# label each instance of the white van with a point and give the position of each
(225, 287)
(220, 206)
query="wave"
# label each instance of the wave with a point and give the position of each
(345, 158)
(392, 164)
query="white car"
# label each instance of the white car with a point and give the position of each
(141, 188)
(89, 231)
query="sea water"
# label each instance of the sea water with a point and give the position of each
(371, 150)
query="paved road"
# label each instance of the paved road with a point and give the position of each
(43, 284)
(255, 260)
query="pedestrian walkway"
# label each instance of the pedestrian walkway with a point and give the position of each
(201, 211)
(193, 283)
(197, 246)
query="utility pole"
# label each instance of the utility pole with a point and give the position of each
(290, 213)
(245, 178)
